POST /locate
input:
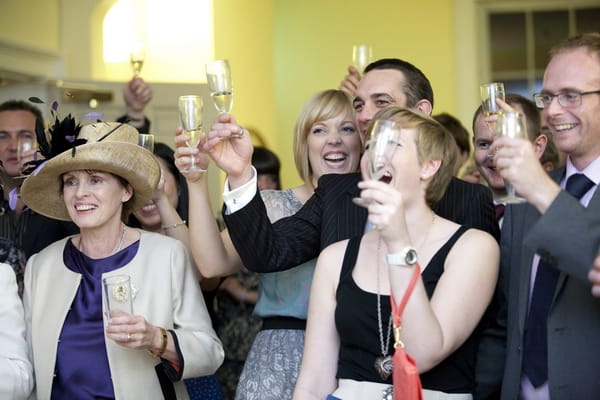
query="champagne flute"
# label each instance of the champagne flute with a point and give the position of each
(26, 146)
(489, 93)
(385, 136)
(380, 149)
(512, 125)
(137, 57)
(146, 140)
(218, 75)
(190, 113)
(361, 56)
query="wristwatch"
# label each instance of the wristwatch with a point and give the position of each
(406, 258)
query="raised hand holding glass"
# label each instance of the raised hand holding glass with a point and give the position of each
(137, 57)
(361, 56)
(489, 93)
(511, 125)
(190, 113)
(218, 76)
(381, 147)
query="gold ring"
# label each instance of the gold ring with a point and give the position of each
(128, 336)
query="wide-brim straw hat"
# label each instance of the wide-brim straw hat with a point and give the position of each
(117, 153)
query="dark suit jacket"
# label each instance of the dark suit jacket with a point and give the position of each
(330, 216)
(568, 235)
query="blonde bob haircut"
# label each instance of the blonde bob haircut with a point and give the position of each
(434, 142)
(320, 107)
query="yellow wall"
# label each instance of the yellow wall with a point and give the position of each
(31, 23)
(244, 35)
(313, 46)
(281, 51)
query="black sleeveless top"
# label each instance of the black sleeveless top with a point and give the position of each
(357, 325)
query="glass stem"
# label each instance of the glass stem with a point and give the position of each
(510, 190)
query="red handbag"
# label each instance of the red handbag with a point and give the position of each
(407, 383)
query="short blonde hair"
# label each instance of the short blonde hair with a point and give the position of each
(434, 142)
(320, 107)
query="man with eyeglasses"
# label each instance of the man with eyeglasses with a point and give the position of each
(549, 244)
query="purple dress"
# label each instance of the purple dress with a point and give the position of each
(82, 370)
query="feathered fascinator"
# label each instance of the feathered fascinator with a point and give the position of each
(63, 136)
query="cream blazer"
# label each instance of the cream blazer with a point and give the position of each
(16, 373)
(168, 295)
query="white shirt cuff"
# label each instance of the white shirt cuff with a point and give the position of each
(238, 198)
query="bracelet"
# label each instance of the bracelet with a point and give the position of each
(163, 345)
(165, 227)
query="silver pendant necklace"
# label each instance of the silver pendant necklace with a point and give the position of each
(383, 364)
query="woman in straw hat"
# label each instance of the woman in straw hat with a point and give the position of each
(79, 351)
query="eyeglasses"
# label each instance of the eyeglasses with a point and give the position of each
(566, 99)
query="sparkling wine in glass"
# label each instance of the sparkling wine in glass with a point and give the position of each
(512, 125)
(489, 93)
(137, 57)
(190, 113)
(361, 56)
(218, 76)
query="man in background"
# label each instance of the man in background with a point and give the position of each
(483, 138)
(460, 135)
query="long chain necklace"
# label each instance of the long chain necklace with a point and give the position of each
(384, 364)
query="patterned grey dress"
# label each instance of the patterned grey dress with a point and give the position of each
(273, 363)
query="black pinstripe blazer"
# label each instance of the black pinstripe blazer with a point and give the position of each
(330, 216)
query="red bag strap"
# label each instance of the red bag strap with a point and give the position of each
(399, 310)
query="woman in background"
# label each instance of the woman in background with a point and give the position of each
(166, 213)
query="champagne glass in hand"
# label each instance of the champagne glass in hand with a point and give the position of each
(489, 93)
(381, 147)
(512, 125)
(218, 75)
(137, 57)
(361, 56)
(190, 113)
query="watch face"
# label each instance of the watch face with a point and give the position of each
(411, 257)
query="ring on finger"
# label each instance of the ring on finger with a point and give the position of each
(240, 133)
(128, 336)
